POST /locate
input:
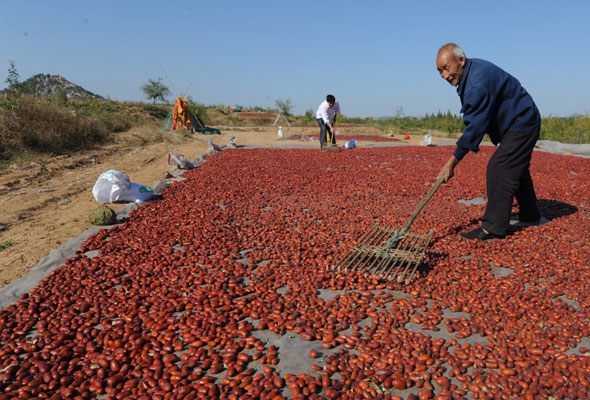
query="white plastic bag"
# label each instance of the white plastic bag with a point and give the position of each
(109, 185)
(351, 144)
(427, 140)
(136, 192)
(280, 132)
(178, 161)
(114, 186)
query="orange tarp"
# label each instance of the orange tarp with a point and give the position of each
(180, 118)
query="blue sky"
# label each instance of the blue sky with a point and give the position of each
(376, 57)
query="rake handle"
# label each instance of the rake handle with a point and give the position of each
(422, 203)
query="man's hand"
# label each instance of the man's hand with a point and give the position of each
(447, 172)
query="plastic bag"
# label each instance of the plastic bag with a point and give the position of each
(427, 140)
(136, 192)
(109, 185)
(114, 186)
(280, 132)
(351, 144)
(178, 161)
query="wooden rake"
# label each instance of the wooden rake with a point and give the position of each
(390, 253)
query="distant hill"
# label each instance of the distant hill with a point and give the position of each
(46, 85)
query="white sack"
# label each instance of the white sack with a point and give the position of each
(427, 140)
(351, 144)
(114, 186)
(109, 185)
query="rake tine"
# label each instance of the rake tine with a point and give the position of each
(365, 256)
(375, 260)
(352, 253)
(398, 260)
(379, 258)
(420, 249)
(427, 240)
(381, 262)
(403, 261)
(404, 247)
(386, 259)
(355, 251)
(411, 245)
(346, 258)
(393, 264)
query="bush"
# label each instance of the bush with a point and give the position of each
(33, 124)
(574, 129)
(158, 112)
(198, 109)
(116, 122)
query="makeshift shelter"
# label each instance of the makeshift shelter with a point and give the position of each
(182, 118)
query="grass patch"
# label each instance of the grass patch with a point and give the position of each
(151, 133)
(33, 127)
(6, 244)
(32, 124)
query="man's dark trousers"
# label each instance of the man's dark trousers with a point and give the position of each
(323, 129)
(508, 176)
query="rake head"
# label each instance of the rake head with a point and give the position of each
(388, 253)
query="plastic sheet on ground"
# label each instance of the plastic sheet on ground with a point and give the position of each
(550, 146)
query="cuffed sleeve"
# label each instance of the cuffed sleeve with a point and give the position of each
(460, 152)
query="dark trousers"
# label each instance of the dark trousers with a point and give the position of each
(323, 129)
(508, 176)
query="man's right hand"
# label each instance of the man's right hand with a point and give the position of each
(448, 171)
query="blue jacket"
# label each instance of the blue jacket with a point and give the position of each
(492, 102)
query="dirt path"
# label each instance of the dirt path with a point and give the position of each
(44, 205)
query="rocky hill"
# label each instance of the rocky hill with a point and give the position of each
(46, 85)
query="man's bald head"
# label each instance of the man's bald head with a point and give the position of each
(454, 49)
(450, 63)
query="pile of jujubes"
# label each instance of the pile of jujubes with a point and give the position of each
(346, 137)
(175, 302)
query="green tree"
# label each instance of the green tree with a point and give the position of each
(285, 107)
(12, 80)
(155, 90)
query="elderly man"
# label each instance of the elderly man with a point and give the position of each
(326, 116)
(495, 103)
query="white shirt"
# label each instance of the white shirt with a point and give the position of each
(326, 113)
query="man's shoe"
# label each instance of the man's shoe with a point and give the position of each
(479, 233)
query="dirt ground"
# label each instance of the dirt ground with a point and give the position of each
(45, 204)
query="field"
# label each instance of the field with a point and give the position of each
(223, 288)
(31, 190)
